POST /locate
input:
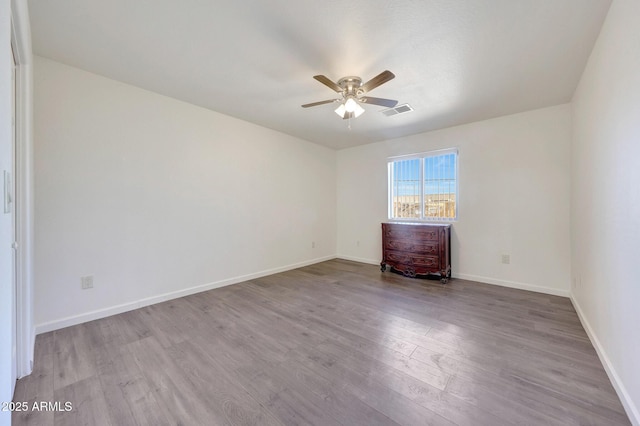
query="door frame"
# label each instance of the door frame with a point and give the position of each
(14, 217)
(23, 184)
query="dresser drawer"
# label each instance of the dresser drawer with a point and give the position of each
(412, 232)
(411, 259)
(409, 245)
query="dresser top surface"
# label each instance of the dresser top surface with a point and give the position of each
(444, 225)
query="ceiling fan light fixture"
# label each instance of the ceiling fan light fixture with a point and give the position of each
(357, 112)
(350, 105)
(347, 108)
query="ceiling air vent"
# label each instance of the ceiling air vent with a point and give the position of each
(400, 109)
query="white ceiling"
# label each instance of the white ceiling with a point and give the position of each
(456, 61)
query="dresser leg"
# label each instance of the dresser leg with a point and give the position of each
(383, 266)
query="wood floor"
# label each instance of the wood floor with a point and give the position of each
(337, 343)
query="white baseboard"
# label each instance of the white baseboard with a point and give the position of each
(118, 309)
(485, 280)
(513, 284)
(632, 410)
(359, 259)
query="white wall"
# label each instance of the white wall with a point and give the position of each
(605, 203)
(154, 196)
(7, 319)
(513, 198)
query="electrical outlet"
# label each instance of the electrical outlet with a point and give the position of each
(358, 243)
(506, 259)
(313, 244)
(86, 282)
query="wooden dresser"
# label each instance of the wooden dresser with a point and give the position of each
(417, 248)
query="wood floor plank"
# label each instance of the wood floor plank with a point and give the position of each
(343, 405)
(334, 343)
(128, 394)
(322, 323)
(181, 398)
(224, 395)
(73, 359)
(87, 397)
(334, 363)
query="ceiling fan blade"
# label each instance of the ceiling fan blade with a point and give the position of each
(319, 103)
(330, 84)
(389, 103)
(376, 81)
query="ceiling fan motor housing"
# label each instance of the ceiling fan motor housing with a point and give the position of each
(351, 86)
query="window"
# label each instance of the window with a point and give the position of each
(424, 186)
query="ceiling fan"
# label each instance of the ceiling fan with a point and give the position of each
(353, 90)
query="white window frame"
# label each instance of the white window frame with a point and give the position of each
(421, 156)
